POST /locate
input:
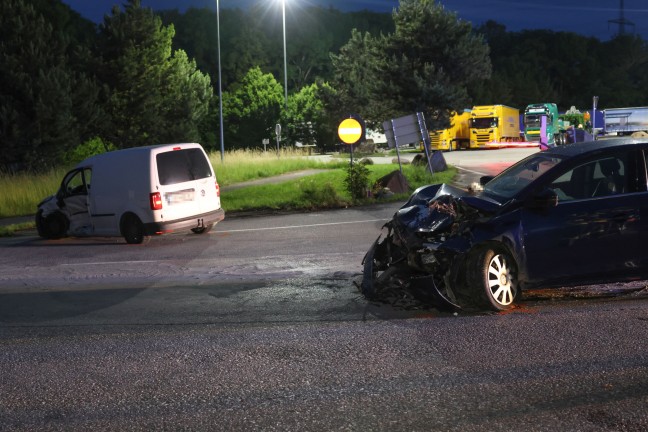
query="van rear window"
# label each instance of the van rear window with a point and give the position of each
(182, 166)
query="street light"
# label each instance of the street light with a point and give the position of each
(220, 85)
(283, 14)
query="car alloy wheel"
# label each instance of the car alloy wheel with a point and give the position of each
(492, 277)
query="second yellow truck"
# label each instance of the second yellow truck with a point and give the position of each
(493, 124)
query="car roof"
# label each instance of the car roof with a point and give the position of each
(571, 150)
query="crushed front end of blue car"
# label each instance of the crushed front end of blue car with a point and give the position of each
(423, 247)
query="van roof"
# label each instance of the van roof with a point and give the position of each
(136, 150)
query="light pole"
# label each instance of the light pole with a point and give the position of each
(220, 85)
(283, 14)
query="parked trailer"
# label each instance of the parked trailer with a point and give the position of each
(457, 136)
(494, 124)
(626, 121)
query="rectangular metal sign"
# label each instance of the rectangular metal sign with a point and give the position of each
(403, 130)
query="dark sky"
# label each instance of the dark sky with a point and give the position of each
(587, 17)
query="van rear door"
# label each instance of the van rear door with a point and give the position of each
(187, 183)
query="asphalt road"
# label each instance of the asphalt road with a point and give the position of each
(259, 325)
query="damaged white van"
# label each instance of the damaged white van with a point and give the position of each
(135, 193)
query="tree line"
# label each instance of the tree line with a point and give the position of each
(69, 86)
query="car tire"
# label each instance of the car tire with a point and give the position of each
(53, 226)
(202, 230)
(492, 277)
(132, 229)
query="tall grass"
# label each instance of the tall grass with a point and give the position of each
(243, 165)
(21, 193)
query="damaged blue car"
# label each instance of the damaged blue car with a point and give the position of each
(571, 215)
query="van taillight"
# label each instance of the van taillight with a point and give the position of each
(217, 190)
(156, 201)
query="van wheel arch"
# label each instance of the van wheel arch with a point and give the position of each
(131, 228)
(53, 226)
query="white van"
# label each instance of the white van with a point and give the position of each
(135, 193)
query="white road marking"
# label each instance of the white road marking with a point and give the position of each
(471, 171)
(299, 226)
(199, 260)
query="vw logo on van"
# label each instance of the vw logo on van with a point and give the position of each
(202, 192)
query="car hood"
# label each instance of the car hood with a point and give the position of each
(437, 208)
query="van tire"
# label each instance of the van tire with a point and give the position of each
(202, 230)
(53, 226)
(132, 229)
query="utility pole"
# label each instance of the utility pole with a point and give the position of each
(621, 21)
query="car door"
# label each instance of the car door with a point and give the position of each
(642, 202)
(73, 195)
(591, 232)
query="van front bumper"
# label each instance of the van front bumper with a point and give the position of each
(197, 221)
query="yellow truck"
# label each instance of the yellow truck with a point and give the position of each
(457, 136)
(493, 124)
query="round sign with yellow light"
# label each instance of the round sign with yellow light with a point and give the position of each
(350, 130)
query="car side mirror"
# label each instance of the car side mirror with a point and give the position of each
(543, 200)
(485, 179)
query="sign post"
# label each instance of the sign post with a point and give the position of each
(278, 133)
(351, 131)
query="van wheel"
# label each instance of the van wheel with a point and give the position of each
(202, 230)
(132, 229)
(53, 226)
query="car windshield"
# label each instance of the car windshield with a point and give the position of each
(513, 180)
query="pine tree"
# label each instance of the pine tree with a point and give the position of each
(425, 65)
(41, 111)
(155, 95)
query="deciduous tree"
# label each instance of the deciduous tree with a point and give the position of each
(252, 109)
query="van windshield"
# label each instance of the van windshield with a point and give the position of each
(180, 166)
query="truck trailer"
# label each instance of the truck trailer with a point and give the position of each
(626, 121)
(493, 124)
(457, 136)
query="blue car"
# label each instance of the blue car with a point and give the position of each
(572, 215)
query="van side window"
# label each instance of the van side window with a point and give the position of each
(77, 182)
(180, 166)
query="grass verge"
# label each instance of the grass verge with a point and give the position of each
(323, 191)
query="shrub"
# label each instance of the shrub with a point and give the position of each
(324, 196)
(357, 181)
(89, 148)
